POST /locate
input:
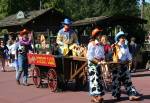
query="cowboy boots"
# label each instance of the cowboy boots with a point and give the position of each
(100, 99)
(134, 98)
(96, 99)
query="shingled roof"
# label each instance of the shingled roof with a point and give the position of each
(108, 20)
(87, 21)
(13, 21)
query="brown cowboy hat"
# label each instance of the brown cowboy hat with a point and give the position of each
(96, 31)
(24, 31)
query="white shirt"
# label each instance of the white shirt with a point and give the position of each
(95, 51)
(12, 48)
(124, 54)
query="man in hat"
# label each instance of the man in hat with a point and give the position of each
(121, 73)
(66, 37)
(22, 48)
(133, 48)
(95, 56)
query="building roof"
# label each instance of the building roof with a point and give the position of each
(87, 21)
(13, 21)
(108, 20)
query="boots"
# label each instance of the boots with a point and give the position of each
(96, 99)
(134, 98)
(100, 99)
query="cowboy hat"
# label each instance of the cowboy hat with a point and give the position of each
(96, 31)
(67, 21)
(24, 31)
(118, 35)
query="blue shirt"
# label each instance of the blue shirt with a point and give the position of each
(66, 37)
(22, 49)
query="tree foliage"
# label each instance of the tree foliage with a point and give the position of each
(147, 15)
(123, 7)
(24, 5)
(3, 8)
(77, 9)
(57, 4)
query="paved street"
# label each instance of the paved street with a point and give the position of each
(12, 93)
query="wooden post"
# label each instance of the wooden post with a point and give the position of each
(48, 32)
(33, 38)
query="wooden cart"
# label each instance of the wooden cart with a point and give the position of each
(55, 69)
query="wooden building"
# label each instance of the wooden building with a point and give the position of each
(111, 25)
(38, 21)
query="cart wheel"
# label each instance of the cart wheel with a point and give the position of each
(52, 80)
(36, 77)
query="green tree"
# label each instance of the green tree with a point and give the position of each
(147, 15)
(3, 8)
(57, 4)
(123, 7)
(79, 9)
(24, 5)
(76, 9)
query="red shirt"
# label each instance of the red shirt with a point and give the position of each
(107, 48)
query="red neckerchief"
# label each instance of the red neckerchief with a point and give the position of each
(66, 30)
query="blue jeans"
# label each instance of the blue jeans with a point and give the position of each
(22, 68)
(16, 67)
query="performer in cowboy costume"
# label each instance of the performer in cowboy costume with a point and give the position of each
(95, 56)
(66, 37)
(22, 48)
(122, 73)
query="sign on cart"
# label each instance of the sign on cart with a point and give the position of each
(42, 60)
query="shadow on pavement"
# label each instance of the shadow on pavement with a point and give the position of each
(126, 99)
(141, 75)
(145, 97)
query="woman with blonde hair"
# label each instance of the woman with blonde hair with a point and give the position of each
(107, 46)
(108, 55)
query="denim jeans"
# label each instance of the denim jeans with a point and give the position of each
(22, 68)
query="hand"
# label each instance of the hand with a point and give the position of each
(101, 62)
(15, 58)
(130, 61)
(113, 45)
(31, 52)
